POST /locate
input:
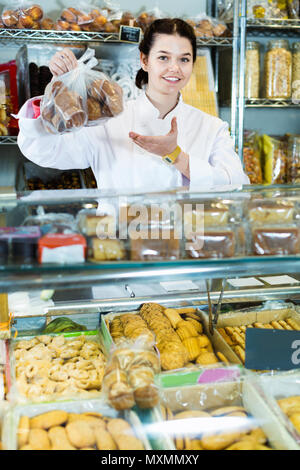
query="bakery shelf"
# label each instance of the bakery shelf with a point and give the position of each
(266, 103)
(56, 36)
(82, 36)
(8, 139)
(273, 27)
(27, 277)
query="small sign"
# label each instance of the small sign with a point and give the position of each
(272, 349)
(183, 286)
(130, 34)
(279, 280)
(245, 282)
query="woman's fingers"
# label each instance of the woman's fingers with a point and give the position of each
(173, 126)
(62, 62)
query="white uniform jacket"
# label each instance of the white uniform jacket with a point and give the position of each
(118, 164)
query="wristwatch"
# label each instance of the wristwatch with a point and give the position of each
(172, 157)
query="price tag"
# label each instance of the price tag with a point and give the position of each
(279, 280)
(130, 34)
(272, 349)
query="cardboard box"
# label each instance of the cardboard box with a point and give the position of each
(246, 317)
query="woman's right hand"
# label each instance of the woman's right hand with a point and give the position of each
(62, 62)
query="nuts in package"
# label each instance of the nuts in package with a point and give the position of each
(81, 97)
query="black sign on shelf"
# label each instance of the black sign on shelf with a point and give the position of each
(130, 34)
(268, 349)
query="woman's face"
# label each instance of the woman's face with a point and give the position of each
(169, 64)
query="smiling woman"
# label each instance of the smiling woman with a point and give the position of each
(158, 142)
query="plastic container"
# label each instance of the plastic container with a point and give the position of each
(275, 240)
(252, 160)
(278, 70)
(252, 78)
(293, 162)
(296, 71)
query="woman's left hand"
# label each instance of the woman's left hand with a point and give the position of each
(159, 145)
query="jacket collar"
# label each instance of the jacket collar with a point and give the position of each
(148, 111)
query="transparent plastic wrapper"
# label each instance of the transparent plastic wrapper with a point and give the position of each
(267, 9)
(214, 409)
(22, 14)
(252, 160)
(231, 328)
(225, 10)
(293, 7)
(73, 425)
(296, 73)
(215, 242)
(275, 240)
(293, 162)
(274, 152)
(207, 27)
(257, 9)
(52, 223)
(85, 17)
(263, 211)
(153, 231)
(278, 70)
(61, 366)
(81, 97)
(278, 9)
(282, 396)
(129, 376)
(146, 17)
(62, 248)
(252, 77)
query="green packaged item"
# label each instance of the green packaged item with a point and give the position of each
(63, 325)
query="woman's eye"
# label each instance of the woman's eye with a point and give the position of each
(163, 57)
(185, 60)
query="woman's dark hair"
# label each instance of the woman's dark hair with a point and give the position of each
(164, 26)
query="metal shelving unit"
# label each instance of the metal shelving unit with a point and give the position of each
(265, 103)
(28, 35)
(264, 28)
(8, 140)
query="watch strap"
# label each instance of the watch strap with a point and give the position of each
(172, 157)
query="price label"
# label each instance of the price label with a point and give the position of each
(130, 34)
(272, 349)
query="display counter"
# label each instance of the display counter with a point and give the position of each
(126, 334)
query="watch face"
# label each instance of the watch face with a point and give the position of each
(168, 160)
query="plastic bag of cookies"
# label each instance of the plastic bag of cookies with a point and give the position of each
(81, 97)
(129, 375)
(22, 14)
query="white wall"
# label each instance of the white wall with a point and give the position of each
(173, 7)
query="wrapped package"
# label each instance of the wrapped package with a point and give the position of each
(9, 101)
(81, 97)
(129, 376)
(268, 9)
(225, 10)
(72, 425)
(293, 162)
(146, 17)
(252, 160)
(271, 211)
(22, 14)
(293, 7)
(85, 17)
(274, 152)
(275, 240)
(207, 27)
(62, 248)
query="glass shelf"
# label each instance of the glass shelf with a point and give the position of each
(28, 277)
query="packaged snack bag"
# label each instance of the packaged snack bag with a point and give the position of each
(81, 97)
